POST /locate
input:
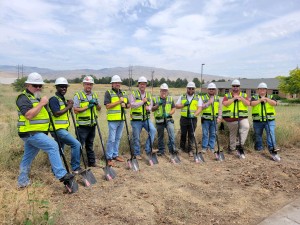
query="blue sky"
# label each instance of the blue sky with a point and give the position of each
(236, 38)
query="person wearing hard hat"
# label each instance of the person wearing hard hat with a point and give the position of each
(115, 101)
(190, 108)
(211, 111)
(141, 105)
(235, 113)
(164, 108)
(263, 115)
(86, 105)
(33, 125)
(60, 108)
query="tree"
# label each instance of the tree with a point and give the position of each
(196, 81)
(290, 84)
(19, 84)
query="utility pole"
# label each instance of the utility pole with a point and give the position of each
(22, 71)
(152, 76)
(18, 66)
(130, 77)
(201, 76)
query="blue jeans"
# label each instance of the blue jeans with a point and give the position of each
(136, 132)
(66, 138)
(259, 128)
(115, 130)
(208, 134)
(32, 146)
(169, 125)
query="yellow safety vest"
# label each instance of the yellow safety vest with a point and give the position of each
(39, 123)
(85, 118)
(231, 110)
(137, 113)
(207, 113)
(192, 108)
(258, 112)
(115, 113)
(158, 114)
(60, 122)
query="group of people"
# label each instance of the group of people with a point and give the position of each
(38, 115)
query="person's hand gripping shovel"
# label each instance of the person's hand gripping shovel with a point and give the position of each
(87, 175)
(219, 153)
(71, 185)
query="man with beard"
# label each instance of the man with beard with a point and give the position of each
(33, 127)
(163, 109)
(60, 113)
(85, 103)
(115, 101)
(235, 113)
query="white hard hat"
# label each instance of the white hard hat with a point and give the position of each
(211, 86)
(164, 86)
(236, 82)
(262, 85)
(34, 78)
(88, 79)
(61, 80)
(191, 85)
(115, 78)
(142, 79)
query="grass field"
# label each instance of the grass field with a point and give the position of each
(17, 206)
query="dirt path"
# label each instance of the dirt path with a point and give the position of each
(229, 192)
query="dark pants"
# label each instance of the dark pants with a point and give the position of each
(87, 136)
(186, 127)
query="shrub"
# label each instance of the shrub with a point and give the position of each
(19, 84)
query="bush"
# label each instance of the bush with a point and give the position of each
(293, 101)
(19, 84)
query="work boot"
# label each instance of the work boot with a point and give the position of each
(77, 171)
(69, 182)
(110, 163)
(138, 157)
(191, 154)
(119, 159)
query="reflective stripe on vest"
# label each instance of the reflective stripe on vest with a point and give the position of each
(158, 114)
(60, 122)
(192, 108)
(231, 110)
(258, 111)
(137, 113)
(115, 113)
(39, 123)
(84, 118)
(207, 113)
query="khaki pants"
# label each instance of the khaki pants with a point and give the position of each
(233, 128)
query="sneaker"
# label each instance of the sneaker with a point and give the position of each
(212, 150)
(191, 154)
(241, 156)
(93, 165)
(110, 163)
(204, 150)
(155, 150)
(275, 157)
(119, 159)
(138, 157)
(22, 186)
(77, 171)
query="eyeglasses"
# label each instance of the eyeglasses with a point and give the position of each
(191, 88)
(211, 89)
(62, 86)
(235, 86)
(37, 85)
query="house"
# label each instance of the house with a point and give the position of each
(249, 86)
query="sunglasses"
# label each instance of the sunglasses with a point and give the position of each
(63, 86)
(211, 89)
(235, 85)
(37, 85)
(191, 88)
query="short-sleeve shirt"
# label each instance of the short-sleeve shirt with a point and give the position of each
(107, 96)
(54, 103)
(23, 103)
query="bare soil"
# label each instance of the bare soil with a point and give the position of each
(230, 192)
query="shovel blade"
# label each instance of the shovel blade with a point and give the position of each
(152, 159)
(88, 178)
(109, 173)
(198, 158)
(175, 158)
(133, 164)
(221, 156)
(72, 186)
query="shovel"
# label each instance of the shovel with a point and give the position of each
(197, 155)
(132, 163)
(152, 157)
(219, 153)
(87, 175)
(73, 187)
(109, 173)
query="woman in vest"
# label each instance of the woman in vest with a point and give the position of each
(60, 114)
(115, 101)
(163, 109)
(263, 115)
(189, 104)
(86, 105)
(234, 111)
(141, 104)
